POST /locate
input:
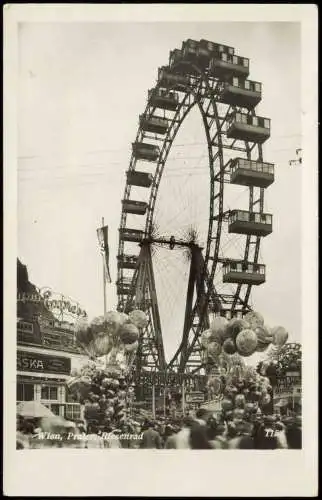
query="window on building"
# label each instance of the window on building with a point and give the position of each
(257, 87)
(49, 392)
(245, 62)
(224, 57)
(72, 411)
(247, 84)
(235, 60)
(266, 123)
(25, 392)
(235, 81)
(255, 121)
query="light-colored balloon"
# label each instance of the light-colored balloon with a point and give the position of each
(280, 336)
(219, 328)
(235, 326)
(213, 349)
(204, 338)
(129, 333)
(138, 318)
(246, 342)
(131, 347)
(254, 319)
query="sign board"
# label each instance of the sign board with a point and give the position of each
(171, 379)
(57, 303)
(195, 397)
(42, 363)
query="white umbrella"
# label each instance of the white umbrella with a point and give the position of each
(33, 409)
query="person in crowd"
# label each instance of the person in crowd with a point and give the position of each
(93, 438)
(22, 435)
(293, 434)
(213, 433)
(169, 437)
(198, 438)
(202, 415)
(264, 434)
(111, 437)
(246, 439)
(182, 437)
(151, 437)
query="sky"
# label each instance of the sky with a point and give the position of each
(82, 88)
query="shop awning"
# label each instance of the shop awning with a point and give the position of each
(33, 409)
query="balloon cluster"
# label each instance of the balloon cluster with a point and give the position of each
(243, 336)
(287, 359)
(103, 391)
(113, 332)
(244, 392)
(103, 387)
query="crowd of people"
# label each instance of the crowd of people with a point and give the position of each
(203, 430)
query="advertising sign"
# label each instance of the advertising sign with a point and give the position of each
(42, 363)
(195, 397)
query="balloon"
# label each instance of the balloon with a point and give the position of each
(219, 328)
(239, 413)
(229, 346)
(240, 400)
(213, 349)
(84, 335)
(263, 335)
(129, 333)
(235, 326)
(280, 335)
(113, 320)
(131, 347)
(246, 342)
(124, 318)
(226, 404)
(215, 337)
(266, 399)
(102, 345)
(204, 338)
(215, 384)
(254, 319)
(139, 318)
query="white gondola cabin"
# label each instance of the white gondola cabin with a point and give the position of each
(127, 261)
(154, 124)
(134, 207)
(251, 173)
(243, 222)
(141, 179)
(145, 151)
(225, 65)
(240, 272)
(241, 92)
(163, 99)
(246, 127)
(168, 79)
(131, 235)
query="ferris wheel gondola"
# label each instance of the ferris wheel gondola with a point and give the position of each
(213, 78)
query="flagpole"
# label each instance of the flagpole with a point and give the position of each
(104, 276)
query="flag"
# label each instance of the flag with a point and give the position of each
(102, 234)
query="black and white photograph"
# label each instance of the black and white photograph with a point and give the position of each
(160, 238)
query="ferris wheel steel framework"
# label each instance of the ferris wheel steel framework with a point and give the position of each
(204, 90)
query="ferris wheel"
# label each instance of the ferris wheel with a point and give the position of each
(225, 265)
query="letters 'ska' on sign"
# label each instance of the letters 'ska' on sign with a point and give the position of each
(34, 362)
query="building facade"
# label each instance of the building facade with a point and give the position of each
(47, 353)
